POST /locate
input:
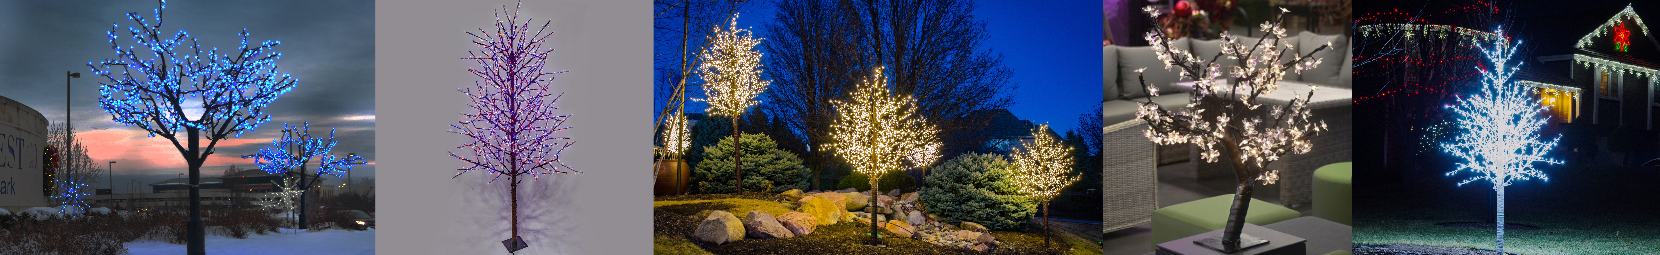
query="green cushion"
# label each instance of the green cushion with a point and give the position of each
(1339, 252)
(1205, 215)
(1333, 192)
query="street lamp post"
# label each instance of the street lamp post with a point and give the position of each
(111, 173)
(68, 129)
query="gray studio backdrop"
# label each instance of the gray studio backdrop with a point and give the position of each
(606, 46)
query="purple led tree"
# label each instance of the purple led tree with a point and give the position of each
(1500, 142)
(179, 90)
(513, 127)
(289, 154)
(1227, 122)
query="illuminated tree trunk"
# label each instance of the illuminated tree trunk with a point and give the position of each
(1045, 224)
(1236, 216)
(1501, 219)
(872, 210)
(738, 153)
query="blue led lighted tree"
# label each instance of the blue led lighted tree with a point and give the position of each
(289, 154)
(1500, 141)
(177, 89)
(72, 191)
(513, 128)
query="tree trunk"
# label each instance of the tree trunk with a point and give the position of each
(195, 232)
(1501, 219)
(738, 153)
(1045, 224)
(305, 188)
(514, 191)
(872, 208)
(1236, 216)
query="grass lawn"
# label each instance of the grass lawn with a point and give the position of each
(676, 218)
(1582, 210)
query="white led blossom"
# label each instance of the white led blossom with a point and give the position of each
(1042, 170)
(1225, 122)
(731, 73)
(876, 130)
(1500, 142)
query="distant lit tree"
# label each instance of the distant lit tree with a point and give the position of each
(876, 130)
(1226, 122)
(513, 128)
(1042, 169)
(290, 153)
(284, 197)
(1500, 142)
(731, 73)
(173, 87)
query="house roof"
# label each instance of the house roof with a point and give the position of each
(1002, 124)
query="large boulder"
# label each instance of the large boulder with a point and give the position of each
(799, 223)
(838, 198)
(856, 201)
(899, 228)
(970, 226)
(793, 193)
(847, 190)
(967, 235)
(915, 218)
(988, 240)
(719, 228)
(824, 210)
(760, 224)
(893, 193)
(908, 197)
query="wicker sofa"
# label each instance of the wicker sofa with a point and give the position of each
(1130, 177)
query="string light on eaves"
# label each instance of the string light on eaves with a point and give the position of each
(1465, 35)
(1607, 27)
(1616, 67)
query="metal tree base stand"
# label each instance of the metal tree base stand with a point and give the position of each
(515, 244)
(1246, 241)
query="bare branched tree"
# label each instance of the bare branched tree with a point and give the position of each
(75, 165)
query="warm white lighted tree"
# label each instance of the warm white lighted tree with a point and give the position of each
(876, 130)
(676, 138)
(1042, 169)
(731, 73)
(285, 197)
(1226, 122)
(1500, 138)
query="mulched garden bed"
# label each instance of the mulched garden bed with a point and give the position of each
(1418, 249)
(842, 238)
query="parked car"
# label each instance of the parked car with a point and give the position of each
(361, 220)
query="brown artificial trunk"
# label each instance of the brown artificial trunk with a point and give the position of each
(1241, 199)
(1045, 224)
(195, 231)
(1236, 216)
(738, 153)
(872, 209)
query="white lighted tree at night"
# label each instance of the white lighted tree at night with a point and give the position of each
(876, 129)
(1042, 169)
(285, 196)
(193, 96)
(1499, 142)
(1226, 122)
(731, 73)
(291, 153)
(513, 130)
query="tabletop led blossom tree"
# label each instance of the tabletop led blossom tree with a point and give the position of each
(192, 95)
(731, 73)
(1042, 169)
(513, 129)
(875, 130)
(291, 153)
(1500, 142)
(1227, 123)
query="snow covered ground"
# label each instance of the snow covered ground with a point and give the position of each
(287, 242)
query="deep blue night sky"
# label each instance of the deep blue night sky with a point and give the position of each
(1052, 46)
